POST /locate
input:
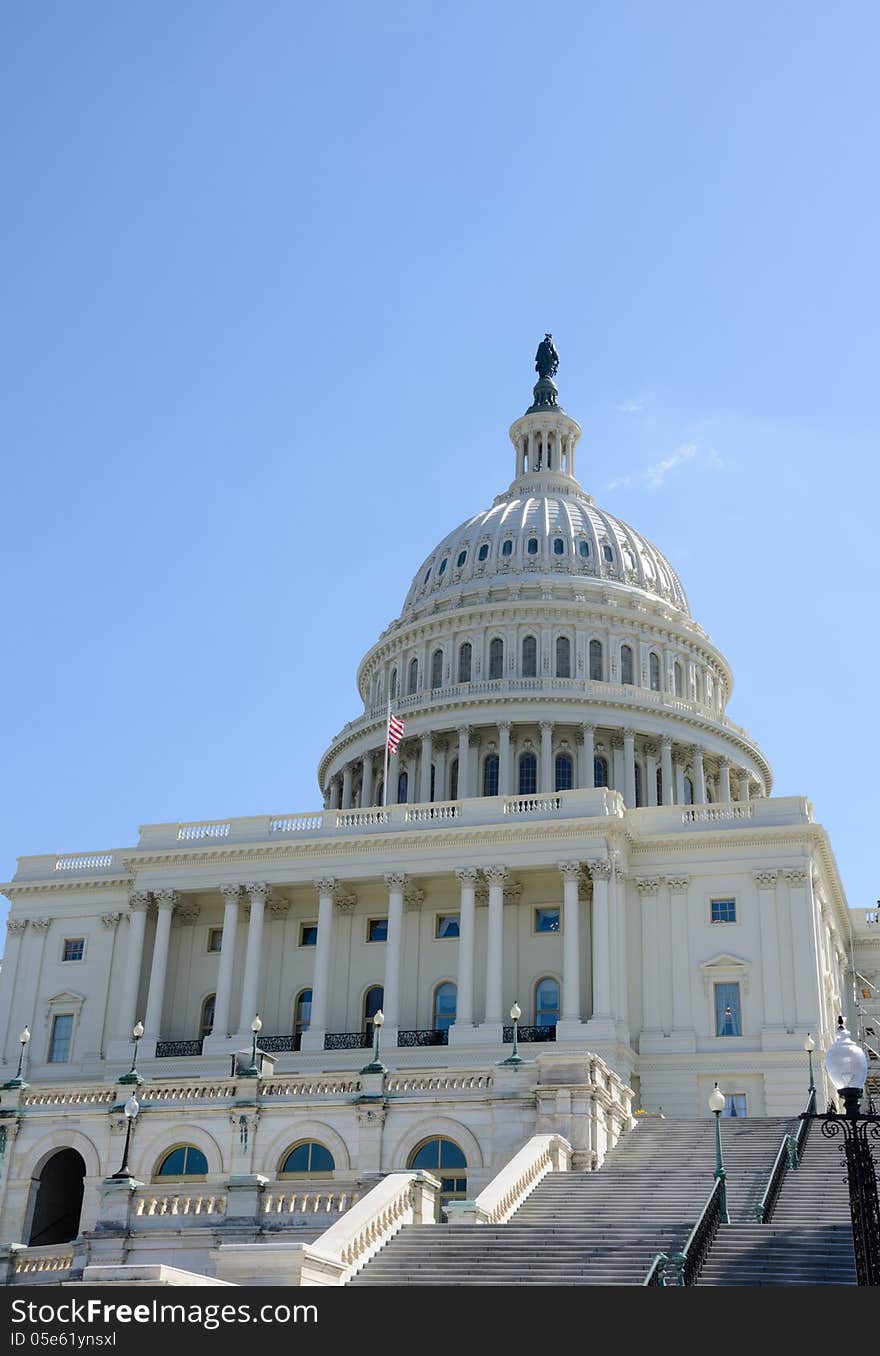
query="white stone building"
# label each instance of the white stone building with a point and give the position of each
(572, 823)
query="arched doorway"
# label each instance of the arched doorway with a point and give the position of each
(59, 1199)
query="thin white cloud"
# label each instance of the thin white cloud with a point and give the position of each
(654, 477)
(631, 407)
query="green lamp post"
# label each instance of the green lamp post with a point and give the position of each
(716, 1106)
(133, 1076)
(18, 1081)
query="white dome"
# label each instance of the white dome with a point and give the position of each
(544, 526)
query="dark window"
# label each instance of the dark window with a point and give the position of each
(723, 910)
(427, 576)
(596, 660)
(564, 772)
(546, 920)
(462, 557)
(584, 548)
(528, 774)
(453, 780)
(402, 788)
(490, 775)
(444, 1159)
(608, 553)
(654, 665)
(443, 564)
(734, 1104)
(437, 668)
(659, 787)
(373, 1000)
(530, 657)
(302, 1012)
(413, 677)
(496, 658)
(447, 925)
(558, 546)
(377, 930)
(184, 1161)
(600, 771)
(563, 657)
(207, 1024)
(393, 683)
(483, 552)
(308, 934)
(215, 939)
(507, 548)
(310, 1157)
(444, 1006)
(74, 948)
(532, 546)
(688, 791)
(638, 782)
(678, 680)
(464, 662)
(626, 664)
(62, 1035)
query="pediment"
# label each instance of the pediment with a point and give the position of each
(66, 996)
(726, 966)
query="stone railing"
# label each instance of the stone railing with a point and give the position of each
(463, 1082)
(516, 1180)
(712, 814)
(310, 1087)
(340, 1252)
(73, 1097)
(37, 1261)
(187, 1092)
(162, 1204)
(305, 1202)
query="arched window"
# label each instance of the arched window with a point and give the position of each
(530, 657)
(496, 658)
(413, 682)
(546, 1002)
(483, 553)
(596, 660)
(373, 1000)
(626, 664)
(453, 780)
(638, 781)
(380, 792)
(600, 771)
(302, 1014)
(207, 1023)
(393, 688)
(558, 546)
(490, 775)
(507, 547)
(564, 772)
(402, 788)
(444, 1006)
(528, 774)
(532, 546)
(688, 791)
(460, 559)
(444, 1159)
(563, 657)
(464, 662)
(659, 786)
(309, 1159)
(654, 666)
(583, 548)
(183, 1161)
(437, 669)
(678, 680)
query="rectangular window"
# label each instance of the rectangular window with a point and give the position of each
(446, 925)
(74, 948)
(62, 1032)
(215, 939)
(546, 920)
(377, 929)
(728, 1019)
(723, 910)
(734, 1104)
(308, 934)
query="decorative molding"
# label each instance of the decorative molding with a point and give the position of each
(765, 880)
(41, 924)
(345, 903)
(468, 875)
(279, 907)
(647, 885)
(726, 966)
(678, 884)
(396, 880)
(325, 885)
(599, 869)
(16, 925)
(413, 897)
(110, 920)
(231, 893)
(797, 876)
(570, 870)
(166, 899)
(495, 875)
(187, 913)
(258, 890)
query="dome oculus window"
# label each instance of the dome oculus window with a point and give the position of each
(507, 548)
(483, 553)
(461, 558)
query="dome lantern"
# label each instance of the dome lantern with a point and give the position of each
(544, 437)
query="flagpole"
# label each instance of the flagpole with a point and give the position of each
(385, 778)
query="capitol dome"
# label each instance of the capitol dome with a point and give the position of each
(544, 645)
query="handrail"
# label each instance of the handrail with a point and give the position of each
(684, 1267)
(658, 1270)
(788, 1157)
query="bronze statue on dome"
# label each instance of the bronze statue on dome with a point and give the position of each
(546, 358)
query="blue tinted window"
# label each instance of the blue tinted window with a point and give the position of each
(507, 548)
(309, 1157)
(483, 552)
(528, 774)
(546, 920)
(558, 546)
(184, 1161)
(728, 1019)
(723, 910)
(62, 1034)
(462, 557)
(584, 548)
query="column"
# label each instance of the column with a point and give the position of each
(600, 1022)
(496, 876)
(411, 787)
(12, 961)
(682, 1009)
(699, 776)
(165, 902)
(571, 952)
(504, 781)
(346, 787)
(367, 781)
(546, 784)
(464, 759)
(666, 770)
(463, 1026)
(678, 768)
(805, 943)
(313, 1038)
(335, 794)
(440, 787)
(771, 974)
(724, 782)
(587, 779)
(744, 789)
(393, 777)
(138, 903)
(223, 1002)
(425, 760)
(650, 791)
(648, 887)
(629, 769)
(396, 883)
(250, 988)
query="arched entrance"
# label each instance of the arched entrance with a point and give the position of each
(59, 1199)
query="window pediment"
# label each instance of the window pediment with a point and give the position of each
(726, 968)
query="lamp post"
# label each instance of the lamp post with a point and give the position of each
(376, 1065)
(131, 1109)
(514, 1057)
(716, 1105)
(133, 1076)
(253, 1071)
(809, 1046)
(847, 1067)
(18, 1081)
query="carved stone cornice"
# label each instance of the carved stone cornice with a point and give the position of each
(651, 750)
(110, 920)
(279, 908)
(41, 924)
(797, 876)
(396, 880)
(325, 885)
(765, 880)
(166, 899)
(600, 868)
(569, 870)
(678, 884)
(138, 901)
(468, 875)
(647, 885)
(231, 893)
(495, 875)
(370, 1115)
(413, 897)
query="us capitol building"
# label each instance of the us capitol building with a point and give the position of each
(572, 826)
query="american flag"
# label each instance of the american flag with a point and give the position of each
(395, 733)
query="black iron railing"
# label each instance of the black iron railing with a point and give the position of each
(683, 1268)
(527, 1034)
(274, 1045)
(348, 1040)
(658, 1270)
(423, 1037)
(177, 1049)
(787, 1159)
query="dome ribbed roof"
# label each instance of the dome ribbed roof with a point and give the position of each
(544, 526)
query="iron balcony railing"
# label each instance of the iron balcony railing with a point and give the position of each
(348, 1040)
(178, 1049)
(526, 1034)
(435, 1037)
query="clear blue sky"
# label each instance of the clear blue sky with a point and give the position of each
(273, 278)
